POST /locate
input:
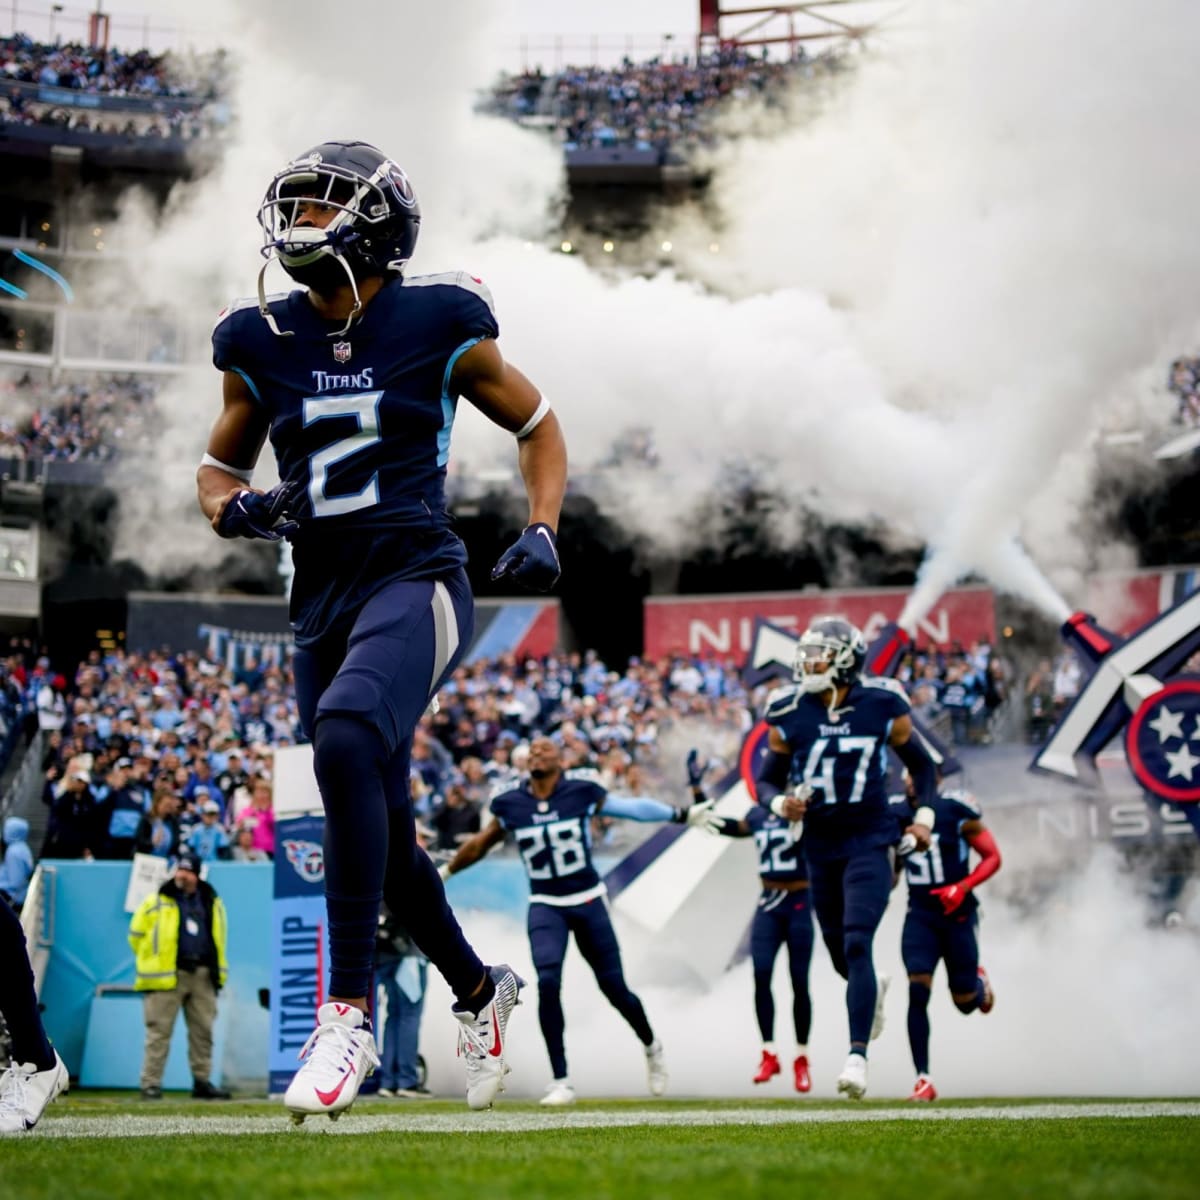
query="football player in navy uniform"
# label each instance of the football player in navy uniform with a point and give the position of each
(36, 1074)
(550, 818)
(783, 916)
(943, 919)
(826, 765)
(355, 377)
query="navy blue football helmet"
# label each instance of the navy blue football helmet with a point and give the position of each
(373, 230)
(830, 654)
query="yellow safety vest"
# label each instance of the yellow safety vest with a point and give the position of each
(154, 936)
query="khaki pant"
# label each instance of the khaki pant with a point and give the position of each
(198, 997)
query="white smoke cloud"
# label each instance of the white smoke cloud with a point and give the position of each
(927, 298)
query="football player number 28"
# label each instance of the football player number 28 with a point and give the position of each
(364, 407)
(819, 769)
(564, 840)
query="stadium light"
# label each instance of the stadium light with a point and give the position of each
(566, 247)
(608, 247)
(666, 247)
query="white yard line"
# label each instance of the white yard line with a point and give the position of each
(501, 1121)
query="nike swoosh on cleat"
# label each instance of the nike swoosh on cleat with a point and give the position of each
(496, 1049)
(327, 1098)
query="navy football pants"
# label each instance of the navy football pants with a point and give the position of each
(782, 917)
(850, 896)
(549, 928)
(360, 699)
(18, 1000)
(930, 937)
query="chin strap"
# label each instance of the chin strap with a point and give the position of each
(356, 308)
(265, 309)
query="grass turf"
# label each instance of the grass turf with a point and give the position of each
(1060, 1158)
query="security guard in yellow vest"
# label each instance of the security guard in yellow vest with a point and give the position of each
(178, 936)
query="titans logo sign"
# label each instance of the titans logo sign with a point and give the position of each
(307, 859)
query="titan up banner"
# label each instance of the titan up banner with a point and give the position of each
(723, 626)
(299, 943)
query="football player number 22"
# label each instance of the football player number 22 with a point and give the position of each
(818, 770)
(564, 840)
(364, 407)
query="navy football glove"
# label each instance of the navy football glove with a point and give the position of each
(259, 514)
(532, 560)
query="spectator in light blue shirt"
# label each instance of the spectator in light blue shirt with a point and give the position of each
(17, 868)
(209, 839)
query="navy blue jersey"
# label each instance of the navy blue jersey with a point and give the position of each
(844, 759)
(948, 858)
(779, 856)
(361, 424)
(554, 837)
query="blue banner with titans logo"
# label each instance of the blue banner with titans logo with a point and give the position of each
(299, 943)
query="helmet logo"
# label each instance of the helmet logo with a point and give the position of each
(400, 185)
(341, 351)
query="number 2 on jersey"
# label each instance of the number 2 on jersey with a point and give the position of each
(364, 407)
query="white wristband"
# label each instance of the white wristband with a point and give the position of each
(538, 413)
(237, 472)
(777, 803)
(444, 871)
(924, 816)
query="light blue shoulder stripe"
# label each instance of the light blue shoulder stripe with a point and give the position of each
(450, 403)
(249, 382)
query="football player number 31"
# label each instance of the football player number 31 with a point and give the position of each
(364, 407)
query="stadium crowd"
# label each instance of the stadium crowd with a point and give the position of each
(92, 420)
(660, 105)
(160, 752)
(171, 96)
(111, 72)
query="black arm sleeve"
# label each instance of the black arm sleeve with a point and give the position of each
(920, 766)
(772, 776)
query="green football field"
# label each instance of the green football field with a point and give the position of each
(98, 1146)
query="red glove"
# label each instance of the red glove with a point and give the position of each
(951, 896)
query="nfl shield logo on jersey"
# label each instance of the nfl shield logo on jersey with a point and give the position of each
(341, 351)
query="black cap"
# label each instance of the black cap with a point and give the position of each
(188, 861)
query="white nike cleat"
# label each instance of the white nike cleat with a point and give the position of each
(340, 1055)
(656, 1069)
(852, 1082)
(883, 982)
(25, 1092)
(482, 1037)
(558, 1095)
